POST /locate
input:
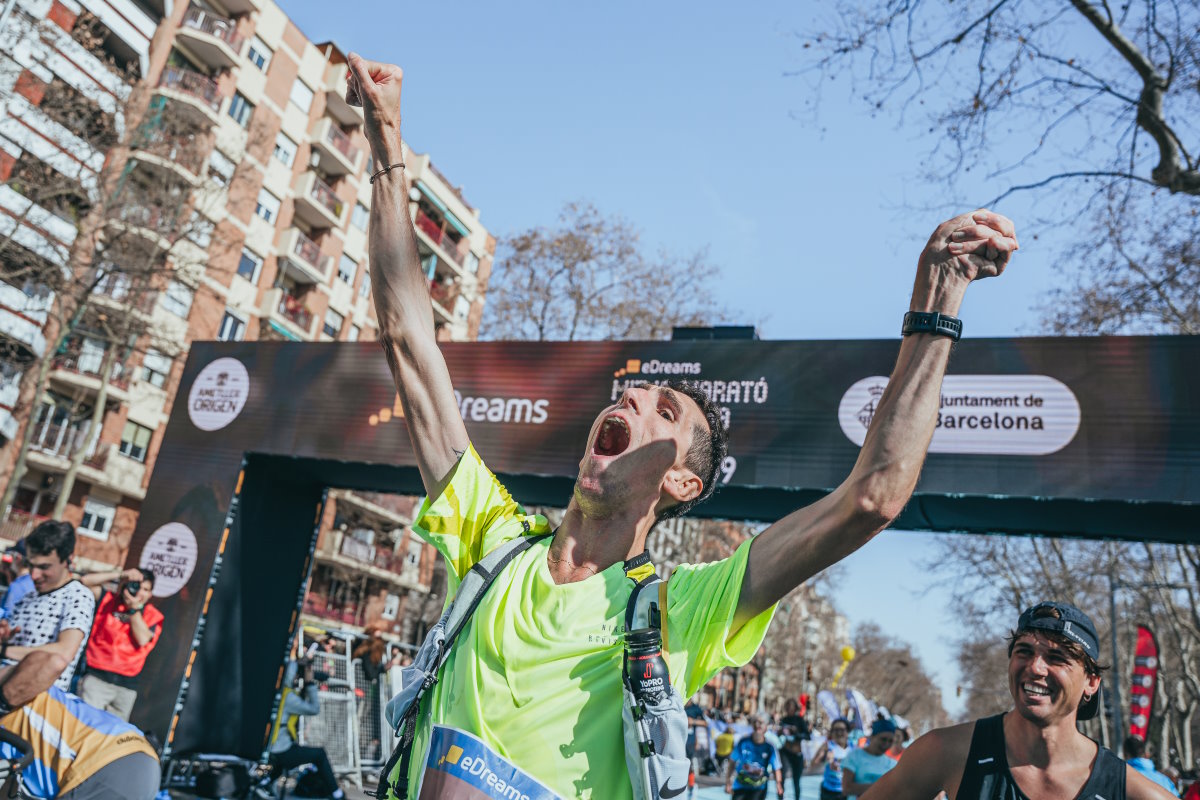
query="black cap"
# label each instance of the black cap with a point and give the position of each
(1073, 624)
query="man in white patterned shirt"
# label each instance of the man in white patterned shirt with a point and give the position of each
(58, 615)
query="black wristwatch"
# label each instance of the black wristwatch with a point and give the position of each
(932, 322)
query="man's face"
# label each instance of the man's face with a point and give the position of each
(140, 597)
(48, 572)
(760, 730)
(879, 743)
(839, 733)
(639, 445)
(1046, 683)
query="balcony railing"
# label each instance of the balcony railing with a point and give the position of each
(60, 440)
(89, 364)
(191, 83)
(224, 29)
(293, 309)
(441, 238)
(186, 151)
(19, 524)
(338, 138)
(309, 252)
(326, 197)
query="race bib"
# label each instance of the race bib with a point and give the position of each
(460, 766)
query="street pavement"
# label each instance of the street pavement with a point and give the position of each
(706, 789)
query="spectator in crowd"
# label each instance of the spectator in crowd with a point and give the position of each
(300, 699)
(57, 615)
(753, 762)
(126, 629)
(724, 745)
(371, 649)
(897, 749)
(1139, 755)
(16, 569)
(697, 742)
(794, 731)
(78, 751)
(831, 753)
(865, 765)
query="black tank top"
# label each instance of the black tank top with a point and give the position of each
(986, 776)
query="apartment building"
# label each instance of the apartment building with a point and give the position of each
(230, 101)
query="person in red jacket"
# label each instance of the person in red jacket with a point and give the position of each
(125, 630)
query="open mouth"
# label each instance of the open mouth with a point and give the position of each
(612, 439)
(1034, 690)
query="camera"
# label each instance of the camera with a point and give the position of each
(319, 676)
(132, 586)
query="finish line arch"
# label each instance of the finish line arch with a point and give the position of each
(1095, 437)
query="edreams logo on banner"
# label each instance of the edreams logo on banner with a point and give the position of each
(171, 553)
(218, 394)
(1012, 415)
(462, 767)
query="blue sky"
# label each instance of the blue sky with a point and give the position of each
(680, 117)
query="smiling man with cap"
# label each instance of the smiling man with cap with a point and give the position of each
(1035, 751)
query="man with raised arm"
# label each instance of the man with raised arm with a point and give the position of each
(530, 697)
(1035, 751)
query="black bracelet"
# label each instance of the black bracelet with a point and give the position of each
(386, 170)
(932, 322)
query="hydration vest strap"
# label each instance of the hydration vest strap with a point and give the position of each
(470, 592)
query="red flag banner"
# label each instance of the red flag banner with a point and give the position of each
(1145, 678)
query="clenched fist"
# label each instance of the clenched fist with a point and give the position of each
(964, 249)
(376, 87)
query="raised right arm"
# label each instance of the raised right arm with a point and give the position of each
(400, 288)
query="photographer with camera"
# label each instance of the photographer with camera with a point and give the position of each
(124, 631)
(301, 684)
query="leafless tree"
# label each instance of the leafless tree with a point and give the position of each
(1092, 106)
(890, 673)
(589, 278)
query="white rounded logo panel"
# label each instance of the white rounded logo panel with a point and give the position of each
(218, 394)
(1012, 415)
(171, 553)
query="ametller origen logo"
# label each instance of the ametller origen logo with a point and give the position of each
(171, 553)
(218, 394)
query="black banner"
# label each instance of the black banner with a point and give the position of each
(1096, 436)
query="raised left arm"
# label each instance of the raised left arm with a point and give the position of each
(961, 250)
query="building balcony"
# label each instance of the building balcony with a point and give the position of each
(176, 157)
(443, 297)
(316, 203)
(336, 155)
(17, 525)
(242, 6)
(34, 228)
(445, 245)
(335, 96)
(21, 320)
(152, 223)
(132, 28)
(302, 258)
(195, 91)
(82, 373)
(377, 562)
(212, 38)
(288, 315)
(105, 467)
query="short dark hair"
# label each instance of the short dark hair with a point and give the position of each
(1069, 646)
(52, 536)
(1133, 747)
(147, 575)
(708, 450)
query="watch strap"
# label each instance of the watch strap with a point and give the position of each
(932, 322)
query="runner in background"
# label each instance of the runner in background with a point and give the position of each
(865, 765)
(753, 763)
(795, 731)
(831, 753)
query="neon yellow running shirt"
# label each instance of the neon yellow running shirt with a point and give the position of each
(529, 701)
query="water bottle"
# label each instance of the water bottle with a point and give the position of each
(645, 666)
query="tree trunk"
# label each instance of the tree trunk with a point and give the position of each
(77, 458)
